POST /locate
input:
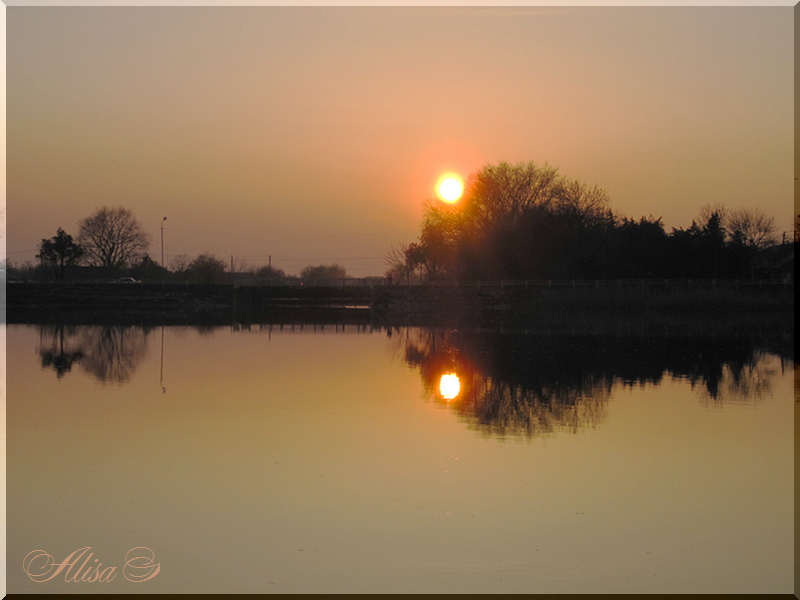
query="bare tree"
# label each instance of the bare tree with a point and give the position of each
(583, 205)
(180, 263)
(717, 209)
(752, 227)
(241, 265)
(400, 268)
(112, 237)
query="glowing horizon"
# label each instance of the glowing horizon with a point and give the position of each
(313, 135)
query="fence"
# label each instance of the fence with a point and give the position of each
(653, 284)
(663, 284)
(371, 282)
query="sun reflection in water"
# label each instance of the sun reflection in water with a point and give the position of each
(449, 386)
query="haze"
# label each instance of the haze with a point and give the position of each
(313, 135)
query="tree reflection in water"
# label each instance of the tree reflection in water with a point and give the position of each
(525, 385)
(495, 400)
(57, 350)
(740, 383)
(507, 384)
(110, 353)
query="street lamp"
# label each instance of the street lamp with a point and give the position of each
(162, 241)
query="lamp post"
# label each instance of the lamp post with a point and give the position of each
(162, 241)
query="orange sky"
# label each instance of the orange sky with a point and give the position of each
(315, 134)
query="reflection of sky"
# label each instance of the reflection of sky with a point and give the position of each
(309, 463)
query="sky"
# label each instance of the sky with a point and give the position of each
(313, 135)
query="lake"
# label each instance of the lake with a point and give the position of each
(351, 459)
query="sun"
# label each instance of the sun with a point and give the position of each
(450, 188)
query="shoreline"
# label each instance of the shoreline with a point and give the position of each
(766, 306)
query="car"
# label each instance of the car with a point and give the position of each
(127, 280)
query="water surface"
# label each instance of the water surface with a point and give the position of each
(335, 459)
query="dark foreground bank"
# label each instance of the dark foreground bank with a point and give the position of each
(506, 303)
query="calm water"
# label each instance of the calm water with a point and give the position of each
(351, 460)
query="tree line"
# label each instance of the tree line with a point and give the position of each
(113, 241)
(522, 221)
(526, 221)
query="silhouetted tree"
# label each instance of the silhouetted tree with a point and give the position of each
(206, 268)
(147, 268)
(751, 232)
(582, 206)
(718, 210)
(554, 232)
(436, 249)
(527, 222)
(514, 222)
(179, 263)
(323, 274)
(641, 248)
(275, 276)
(240, 265)
(712, 242)
(112, 237)
(60, 251)
(401, 269)
(754, 228)
(271, 273)
(707, 249)
(498, 195)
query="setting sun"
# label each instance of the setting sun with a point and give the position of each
(450, 188)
